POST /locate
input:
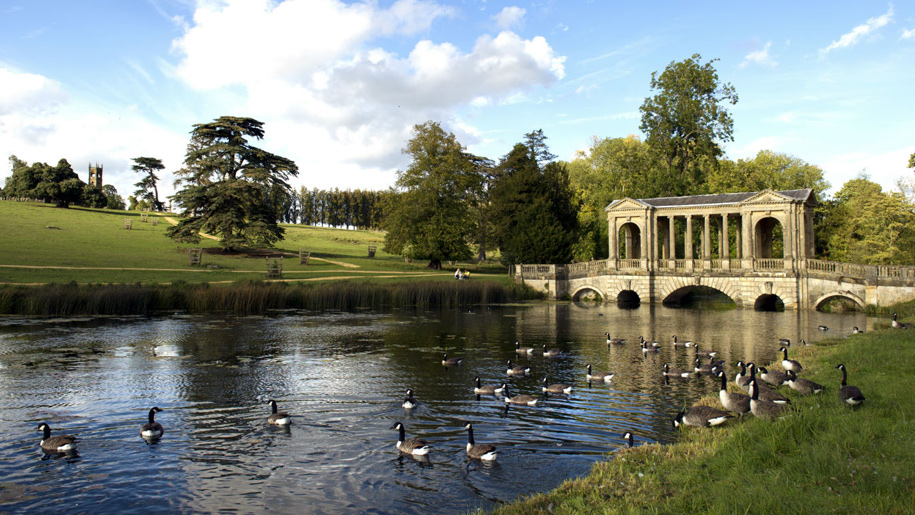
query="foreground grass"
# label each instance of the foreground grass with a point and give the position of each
(44, 244)
(826, 457)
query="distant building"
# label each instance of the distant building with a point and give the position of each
(95, 175)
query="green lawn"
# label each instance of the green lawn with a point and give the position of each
(44, 244)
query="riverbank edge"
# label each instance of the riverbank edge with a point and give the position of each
(253, 297)
(824, 457)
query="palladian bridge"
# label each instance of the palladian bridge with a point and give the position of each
(756, 248)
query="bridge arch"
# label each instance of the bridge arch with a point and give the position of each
(673, 288)
(628, 291)
(841, 294)
(587, 290)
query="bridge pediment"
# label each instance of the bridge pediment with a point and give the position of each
(627, 204)
(775, 197)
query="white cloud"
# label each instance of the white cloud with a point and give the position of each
(883, 169)
(510, 17)
(760, 57)
(26, 92)
(333, 92)
(40, 122)
(852, 38)
(908, 34)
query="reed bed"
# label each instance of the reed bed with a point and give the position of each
(251, 297)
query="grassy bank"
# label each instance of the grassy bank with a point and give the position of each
(826, 457)
(44, 244)
(251, 297)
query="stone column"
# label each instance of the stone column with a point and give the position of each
(706, 238)
(725, 241)
(688, 246)
(614, 242)
(738, 229)
(672, 238)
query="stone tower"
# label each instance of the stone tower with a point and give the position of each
(95, 175)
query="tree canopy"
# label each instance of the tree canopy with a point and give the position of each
(871, 226)
(58, 184)
(686, 119)
(147, 187)
(230, 187)
(534, 212)
(429, 217)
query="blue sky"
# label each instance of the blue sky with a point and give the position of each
(339, 85)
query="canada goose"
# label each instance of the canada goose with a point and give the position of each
(526, 400)
(701, 368)
(855, 330)
(801, 385)
(701, 416)
(705, 353)
(822, 328)
(409, 401)
(732, 401)
(479, 451)
(414, 446)
(277, 418)
(479, 389)
(742, 379)
(451, 362)
(773, 377)
(551, 353)
(675, 372)
(599, 376)
(152, 429)
(784, 342)
(790, 364)
(766, 393)
(650, 344)
(524, 351)
(899, 325)
(614, 341)
(628, 438)
(59, 443)
(556, 388)
(764, 409)
(849, 394)
(684, 344)
(646, 348)
(517, 370)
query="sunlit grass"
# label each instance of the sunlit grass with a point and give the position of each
(44, 244)
(826, 457)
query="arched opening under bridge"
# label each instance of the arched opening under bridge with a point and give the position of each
(699, 296)
(769, 303)
(628, 299)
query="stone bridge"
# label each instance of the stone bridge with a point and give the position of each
(799, 284)
(756, 248)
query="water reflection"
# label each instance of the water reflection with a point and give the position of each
(342, 377)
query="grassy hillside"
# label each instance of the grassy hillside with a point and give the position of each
(44, 244)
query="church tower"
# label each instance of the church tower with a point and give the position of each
(95, 175)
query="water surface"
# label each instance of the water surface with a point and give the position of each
(342, 376)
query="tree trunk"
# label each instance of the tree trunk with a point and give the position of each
(435, 264)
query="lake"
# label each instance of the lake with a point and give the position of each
(343, 376)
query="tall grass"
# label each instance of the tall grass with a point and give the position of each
(251, 297)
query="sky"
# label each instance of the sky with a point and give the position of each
(339, 85)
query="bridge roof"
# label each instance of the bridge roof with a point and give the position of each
(716, 199)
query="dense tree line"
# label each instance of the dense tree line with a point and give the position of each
(359, 209)
(58, 184)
